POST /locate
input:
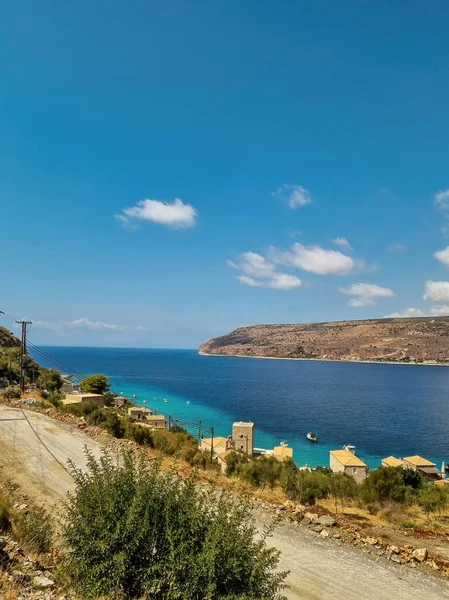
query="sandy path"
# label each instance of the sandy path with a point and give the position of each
(320, 569)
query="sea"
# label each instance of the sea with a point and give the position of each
(382, 409)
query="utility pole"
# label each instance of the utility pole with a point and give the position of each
(23, 349)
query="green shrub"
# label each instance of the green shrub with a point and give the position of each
(109, 420)
(407, 524)
(5, 515)
(304, 486)
(433, 499)
(133, 530)
(384, 485)
(137, 433)
(95, 384)
(12, 392)
(35, 531)
(80, 409)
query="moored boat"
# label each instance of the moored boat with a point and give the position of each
(312, 437)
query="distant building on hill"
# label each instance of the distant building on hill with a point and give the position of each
(77, 398)
(243, 437)
(424, 467)
(344, 461)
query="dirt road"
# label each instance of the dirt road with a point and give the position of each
(319, 569)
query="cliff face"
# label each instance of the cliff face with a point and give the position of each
(8, 339)
(398, 340)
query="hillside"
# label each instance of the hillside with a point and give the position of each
(420, 340)
(8, 339)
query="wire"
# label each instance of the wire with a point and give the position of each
(54, 361)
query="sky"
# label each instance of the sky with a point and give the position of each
(172, 170)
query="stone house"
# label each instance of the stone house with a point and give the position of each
(243, 437)
(424, 467)
(343, 461)
(77, 398)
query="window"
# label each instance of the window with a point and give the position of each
(241, 436)
(354, 469)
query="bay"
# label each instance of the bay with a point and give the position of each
(382, 409)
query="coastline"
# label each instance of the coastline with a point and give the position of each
(332, 360)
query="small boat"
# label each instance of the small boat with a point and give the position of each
(349, 448)
(165, 400)
(312, 437)
(188, 402)
(135, 396)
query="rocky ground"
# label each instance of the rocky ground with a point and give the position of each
(390, 340)
(22, 577)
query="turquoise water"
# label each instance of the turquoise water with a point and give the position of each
(381, 409)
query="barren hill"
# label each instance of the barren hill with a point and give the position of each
(419, 340)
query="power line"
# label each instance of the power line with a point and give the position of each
(56, 362)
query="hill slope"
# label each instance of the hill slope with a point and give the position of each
(398, 340)
(8, 339)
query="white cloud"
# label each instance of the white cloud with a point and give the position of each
(443, 256)
(409, 312)
(342, 242)
(315, 260)
(436, 291)
(439, 310)
(365, 294)
(85, 324)
(176, 215)
(259, 272)
(279, 281)
(442, 199)
(293, 195)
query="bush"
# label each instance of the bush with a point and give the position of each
(133, 530)
(433, 499)
(108, 420)
(5, 515)
(407, 524)
(80, 409)
(53, 397)
(304, 486)
(233, 460)
(343, 488)
(383, 485)
(138, 433)
(35, 531)
(12, 392)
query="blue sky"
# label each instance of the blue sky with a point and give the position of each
(170, 171)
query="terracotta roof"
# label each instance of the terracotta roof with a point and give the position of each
(391, 461)
(346, 458)
(419, 461)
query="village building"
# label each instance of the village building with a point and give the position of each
(391, 461)
(283, 452)
(344, 461)
(146, 417)
(423, 466)
(119, 401)
(218, 444)
(243, 437)
(77, 398)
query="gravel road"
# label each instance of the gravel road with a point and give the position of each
(319, 569)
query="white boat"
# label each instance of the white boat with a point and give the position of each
(165, 400)
(349, 448)
(312, 437)
(188, 402)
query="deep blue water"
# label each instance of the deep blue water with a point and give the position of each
(381, 409)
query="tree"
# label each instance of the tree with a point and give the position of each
(132, 530)
(385, 484)
(95, 384)
(342, 487)
(50, 380)
(432, 498)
